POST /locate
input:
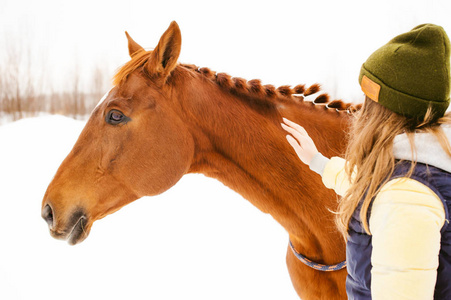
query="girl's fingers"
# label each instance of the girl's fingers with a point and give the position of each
(289, 129)
(305, 155)
(293, 142)
(301, 142)
(288, 121)
(296, 146)
(298, 135)
(295, 126)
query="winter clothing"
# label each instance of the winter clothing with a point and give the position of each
(359, 247)
(408, 255)
(410, 73)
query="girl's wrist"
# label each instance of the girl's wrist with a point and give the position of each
(318, 163)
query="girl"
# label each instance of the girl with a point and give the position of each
(396, 179)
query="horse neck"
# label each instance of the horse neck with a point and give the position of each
(245, 148)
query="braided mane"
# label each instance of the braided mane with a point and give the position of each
(267, 94)
(255, 89)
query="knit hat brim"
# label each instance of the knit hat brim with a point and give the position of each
(405, 104)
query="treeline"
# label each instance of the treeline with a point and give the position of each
(28, 86)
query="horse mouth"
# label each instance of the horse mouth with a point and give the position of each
(76, 229)
(78, 232)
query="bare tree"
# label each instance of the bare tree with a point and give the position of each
(26, 87)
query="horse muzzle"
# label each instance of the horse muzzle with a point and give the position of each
(74, 231)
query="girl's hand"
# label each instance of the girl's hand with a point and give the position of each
(301, 142)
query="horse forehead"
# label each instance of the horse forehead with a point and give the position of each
(103, 98)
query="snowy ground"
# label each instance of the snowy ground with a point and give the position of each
(230, 249)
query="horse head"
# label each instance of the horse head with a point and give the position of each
(134, 144)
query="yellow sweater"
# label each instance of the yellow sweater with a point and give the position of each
(405, 223)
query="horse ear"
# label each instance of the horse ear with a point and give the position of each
(133, 47)
(164, 56)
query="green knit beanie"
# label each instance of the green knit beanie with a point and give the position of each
(410, 73)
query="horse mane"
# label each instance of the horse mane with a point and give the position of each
(138, 60)
(267, 94)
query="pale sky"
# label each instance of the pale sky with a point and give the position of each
(280, 42)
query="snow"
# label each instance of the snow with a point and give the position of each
(199, 240)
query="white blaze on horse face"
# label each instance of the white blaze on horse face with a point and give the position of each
(103, 98)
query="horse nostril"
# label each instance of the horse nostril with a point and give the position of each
(47, 214)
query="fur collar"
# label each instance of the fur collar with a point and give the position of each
(428, 149)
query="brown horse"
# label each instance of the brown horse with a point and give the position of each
(163, 120)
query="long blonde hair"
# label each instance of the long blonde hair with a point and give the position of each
(369, 156)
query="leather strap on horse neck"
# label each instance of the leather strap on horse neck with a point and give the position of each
(317, 266)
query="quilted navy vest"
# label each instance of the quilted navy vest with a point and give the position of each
(359, 247)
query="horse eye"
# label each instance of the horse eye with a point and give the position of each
(115, 117)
